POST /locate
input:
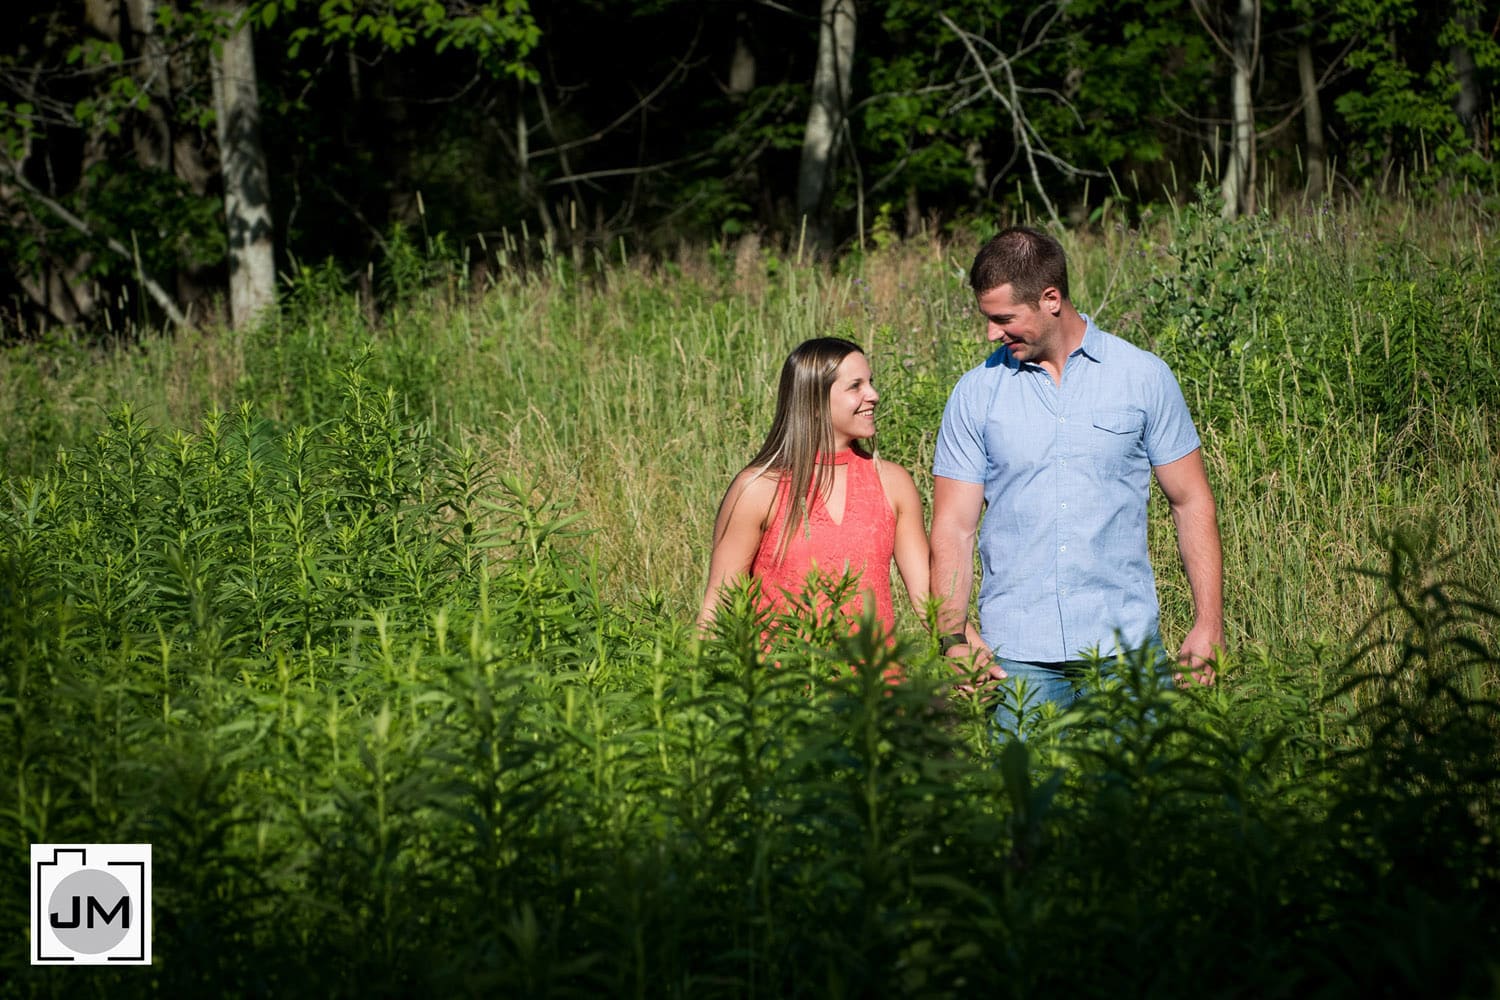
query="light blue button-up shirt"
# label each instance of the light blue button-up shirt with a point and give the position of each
(1066, 470)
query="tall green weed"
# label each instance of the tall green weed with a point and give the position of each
(387, 734)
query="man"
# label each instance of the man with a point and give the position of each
(1054, 437)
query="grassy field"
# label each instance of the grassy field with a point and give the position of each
(376, 623)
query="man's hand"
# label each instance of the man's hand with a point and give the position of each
(975, 662)
(1198, 655)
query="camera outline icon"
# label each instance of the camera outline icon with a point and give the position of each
(90, 904)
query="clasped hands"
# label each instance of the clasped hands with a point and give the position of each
(982, 673)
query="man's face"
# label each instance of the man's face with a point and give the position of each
(1028, 329)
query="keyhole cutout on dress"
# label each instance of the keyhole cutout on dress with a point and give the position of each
(838, 494)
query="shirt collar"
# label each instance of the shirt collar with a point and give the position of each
(1094, 347)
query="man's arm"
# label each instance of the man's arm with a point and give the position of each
(1185, 484)
(956, 506)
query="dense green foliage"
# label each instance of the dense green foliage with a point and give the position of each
(340, 616)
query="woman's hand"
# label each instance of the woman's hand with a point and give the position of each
(975, 661)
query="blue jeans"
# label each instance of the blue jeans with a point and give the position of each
(1029, 687)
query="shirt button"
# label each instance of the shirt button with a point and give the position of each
(1062, 548)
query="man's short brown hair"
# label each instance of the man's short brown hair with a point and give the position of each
(1027, 259)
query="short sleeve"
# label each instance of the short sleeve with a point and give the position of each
(1170, 433)
(960, 452)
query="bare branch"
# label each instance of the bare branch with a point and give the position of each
(152, 288)
(679, 70)
(783, 8)
(649, 168)
(1198, 8)
(1296, 107)
(1009, 96)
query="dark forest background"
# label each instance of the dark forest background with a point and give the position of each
(175, 160)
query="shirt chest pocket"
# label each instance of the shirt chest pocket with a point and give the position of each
(1117, 442)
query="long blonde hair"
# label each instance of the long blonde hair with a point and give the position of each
(801, 430)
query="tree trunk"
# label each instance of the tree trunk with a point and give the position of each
(1467, 102)
(742, 64)
(159, 142)
(979, 170)
(1388, 137)
(1316, 153)
(1238, 185)
(825, 120)
(151, 132)
(247, 195)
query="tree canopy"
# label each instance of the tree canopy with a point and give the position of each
(587, 121)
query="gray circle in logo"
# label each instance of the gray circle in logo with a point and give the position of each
(86, 914)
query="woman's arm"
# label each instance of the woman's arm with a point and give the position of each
(738, 529)
(911, 533)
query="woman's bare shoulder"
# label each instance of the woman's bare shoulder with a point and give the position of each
(754, 488)
(757, 479)
(895, 477)
(900, 489)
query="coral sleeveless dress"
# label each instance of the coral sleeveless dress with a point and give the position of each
(862, 543)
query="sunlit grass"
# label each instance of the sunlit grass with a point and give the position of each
(381, 634)
(636, 389)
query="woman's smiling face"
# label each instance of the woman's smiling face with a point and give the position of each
(851, 401)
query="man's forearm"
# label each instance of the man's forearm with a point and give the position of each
(1202, 561)
(952, 579)
(956, 508)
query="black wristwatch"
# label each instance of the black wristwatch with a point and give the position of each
(952, 639)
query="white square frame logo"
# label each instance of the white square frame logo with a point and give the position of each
(90, 904)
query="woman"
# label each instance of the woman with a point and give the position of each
(815, 497)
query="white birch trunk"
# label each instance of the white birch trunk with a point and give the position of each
(247, 195)
(1238, 185)
(742, 64)
(825, 119)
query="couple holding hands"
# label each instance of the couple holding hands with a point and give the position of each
(1054, 438)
